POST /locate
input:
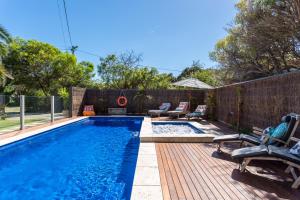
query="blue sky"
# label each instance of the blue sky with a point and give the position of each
(170, 34)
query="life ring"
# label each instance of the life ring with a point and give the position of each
(122, 101)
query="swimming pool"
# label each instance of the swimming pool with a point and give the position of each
(94, 158)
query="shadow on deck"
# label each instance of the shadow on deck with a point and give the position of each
(197, 171)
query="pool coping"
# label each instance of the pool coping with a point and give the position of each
(147, 134)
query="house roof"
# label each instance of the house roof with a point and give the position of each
(192, 83)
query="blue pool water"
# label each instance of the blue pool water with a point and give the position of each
(90, 159)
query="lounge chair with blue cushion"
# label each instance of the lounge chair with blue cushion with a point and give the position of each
(182, 109)
(199, 112)
(281, 134)
(163, 108)
(291, 157)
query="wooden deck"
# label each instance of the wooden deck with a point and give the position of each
(196, 171)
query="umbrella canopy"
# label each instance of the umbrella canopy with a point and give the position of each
(193, 83)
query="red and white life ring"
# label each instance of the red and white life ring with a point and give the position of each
(122, 101)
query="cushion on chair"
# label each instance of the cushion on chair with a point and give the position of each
(288, 133)
(295, 150)
(201, 108)
(261, 150)
(165, 106)
(278, 133)
(224, 138)
(194, 114)
(251, 139)
(88, 108)
(283, 153)
(182, 106)
(156, 111)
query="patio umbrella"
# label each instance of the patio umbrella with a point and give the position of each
(192, 83)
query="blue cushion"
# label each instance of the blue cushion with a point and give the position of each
(279, 132)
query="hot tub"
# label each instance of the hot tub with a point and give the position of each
(175, 131)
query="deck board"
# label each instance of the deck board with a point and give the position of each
(196, 171)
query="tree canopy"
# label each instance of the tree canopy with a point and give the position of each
(124, 72)
(5, 39)
(39, 67)
(198, 71)
(264, 40)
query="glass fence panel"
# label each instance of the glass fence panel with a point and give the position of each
(9, 113)
(61, 108)
(37, 110)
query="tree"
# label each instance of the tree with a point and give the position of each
(188, 71)
(263, 41)
(5, 39)
(39, 66)
(124, 72)
(197, 70)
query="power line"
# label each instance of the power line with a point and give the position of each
(67, 20)
(89, 53)
(61, 23)
(98, 56)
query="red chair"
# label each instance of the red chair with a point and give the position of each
(88, 110)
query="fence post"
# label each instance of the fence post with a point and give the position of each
(52, 108)
(22, 112)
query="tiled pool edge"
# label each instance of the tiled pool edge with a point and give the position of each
(146, 184)
(37, 131)
(147, 135)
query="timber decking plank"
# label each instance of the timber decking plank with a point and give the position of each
(174, 175)
(163, 179)
(195, 172)
(254, 190)
(198, 182)
(222, 170)
(211, 178)
(187, 176)
(219, 176)
(181, 178)
(211, 191)
(171, 185)
(230, 165)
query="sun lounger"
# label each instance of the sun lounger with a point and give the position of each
(182, 109)
(199, 112)
(88, 110)
(255, 138)
(270, 152)
(163, 108)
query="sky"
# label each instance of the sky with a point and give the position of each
(169, 34)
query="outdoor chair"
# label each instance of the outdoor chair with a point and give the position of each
(255, 138)
(199, 112)
(273, 153)
(88, 110)
(182, 109)
(163, 109)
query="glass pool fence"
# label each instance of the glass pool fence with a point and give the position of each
(20, 112)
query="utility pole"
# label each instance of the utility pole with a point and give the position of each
(73, 49)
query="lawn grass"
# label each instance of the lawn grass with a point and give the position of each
(15, 123)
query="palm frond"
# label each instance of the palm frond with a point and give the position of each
(4, 73)
(4, 35)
